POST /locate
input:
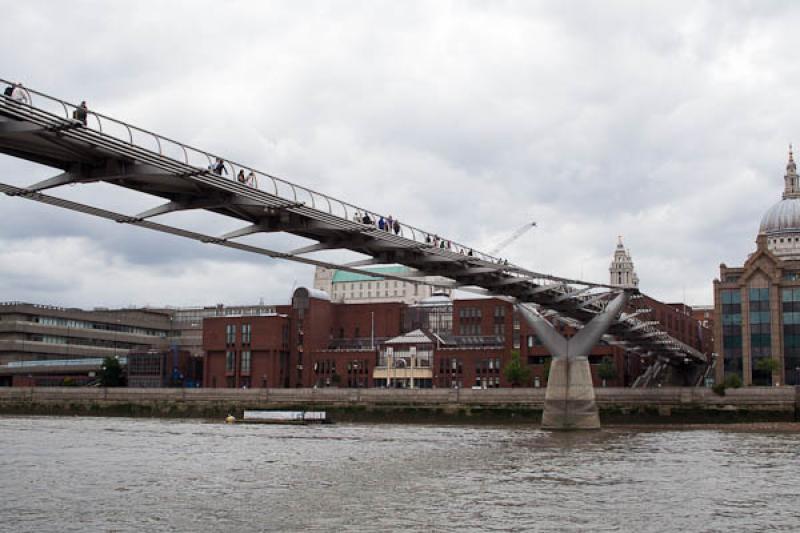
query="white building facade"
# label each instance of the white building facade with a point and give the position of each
(370, 287)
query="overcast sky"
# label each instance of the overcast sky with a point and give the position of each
(666, 124)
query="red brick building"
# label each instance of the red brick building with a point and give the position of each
(438, 343)
(250, 351)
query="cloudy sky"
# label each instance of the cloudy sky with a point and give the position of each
(666, 124)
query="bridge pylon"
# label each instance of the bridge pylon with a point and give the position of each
(570, 400)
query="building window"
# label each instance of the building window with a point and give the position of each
(245, 361)
(790, 310)
(760, 337)
(230, 361)
(246, 333)
(230, 334)
(732, 331)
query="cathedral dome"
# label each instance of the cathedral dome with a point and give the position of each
(781, 222)
(783, 217)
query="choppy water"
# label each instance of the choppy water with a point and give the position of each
(113, 474)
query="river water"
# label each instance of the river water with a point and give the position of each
(118, 474)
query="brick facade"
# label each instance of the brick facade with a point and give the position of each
(317, 343)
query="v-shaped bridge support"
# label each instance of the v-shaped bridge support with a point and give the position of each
(569, 400)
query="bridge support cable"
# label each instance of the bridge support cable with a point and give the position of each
(199, 237)
(569, 399)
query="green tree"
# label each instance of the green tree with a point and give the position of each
(607, 370)
(111, 372)
(767, 364)
(515, 372)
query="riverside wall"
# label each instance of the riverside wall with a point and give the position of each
(617, 405)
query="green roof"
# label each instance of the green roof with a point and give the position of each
(342, 276)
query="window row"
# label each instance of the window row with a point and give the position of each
(731, 296)
(230, 361)
(230, 334)
(469, 312)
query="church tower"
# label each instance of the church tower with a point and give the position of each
(621, 269)
(791, 188)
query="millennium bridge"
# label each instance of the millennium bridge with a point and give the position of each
(96, 148)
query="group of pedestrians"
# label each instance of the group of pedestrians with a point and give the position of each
(390, 224)
(18, 94)
(249, 180)
(219, 168)
(444, 244)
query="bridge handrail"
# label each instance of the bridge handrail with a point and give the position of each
(406, 230)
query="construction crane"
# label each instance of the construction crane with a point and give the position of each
(514, 236)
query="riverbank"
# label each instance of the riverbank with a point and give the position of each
(669, 405)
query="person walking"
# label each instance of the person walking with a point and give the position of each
(219, 167)
(396, 227)
(252, 180)
(240, 177)
(18, 94)
(81, 112)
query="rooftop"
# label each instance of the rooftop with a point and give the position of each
(341, 276)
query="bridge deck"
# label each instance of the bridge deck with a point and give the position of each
(111, 151)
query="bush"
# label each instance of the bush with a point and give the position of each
(732, 381)
(719, 389)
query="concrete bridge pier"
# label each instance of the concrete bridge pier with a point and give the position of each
(569, 399)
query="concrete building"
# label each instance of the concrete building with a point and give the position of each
(757, 305)
(349, 287)
(31, 332)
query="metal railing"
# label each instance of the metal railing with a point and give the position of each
(189, 155)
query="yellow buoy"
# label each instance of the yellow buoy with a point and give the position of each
(230, 419)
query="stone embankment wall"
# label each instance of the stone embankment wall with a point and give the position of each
(663, 405)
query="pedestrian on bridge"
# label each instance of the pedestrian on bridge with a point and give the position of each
(396, 227)
(81, 112)
(219, 167)
(252, 180)
(240, 177)
(18, 94)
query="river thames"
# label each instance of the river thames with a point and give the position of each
(119, 474)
